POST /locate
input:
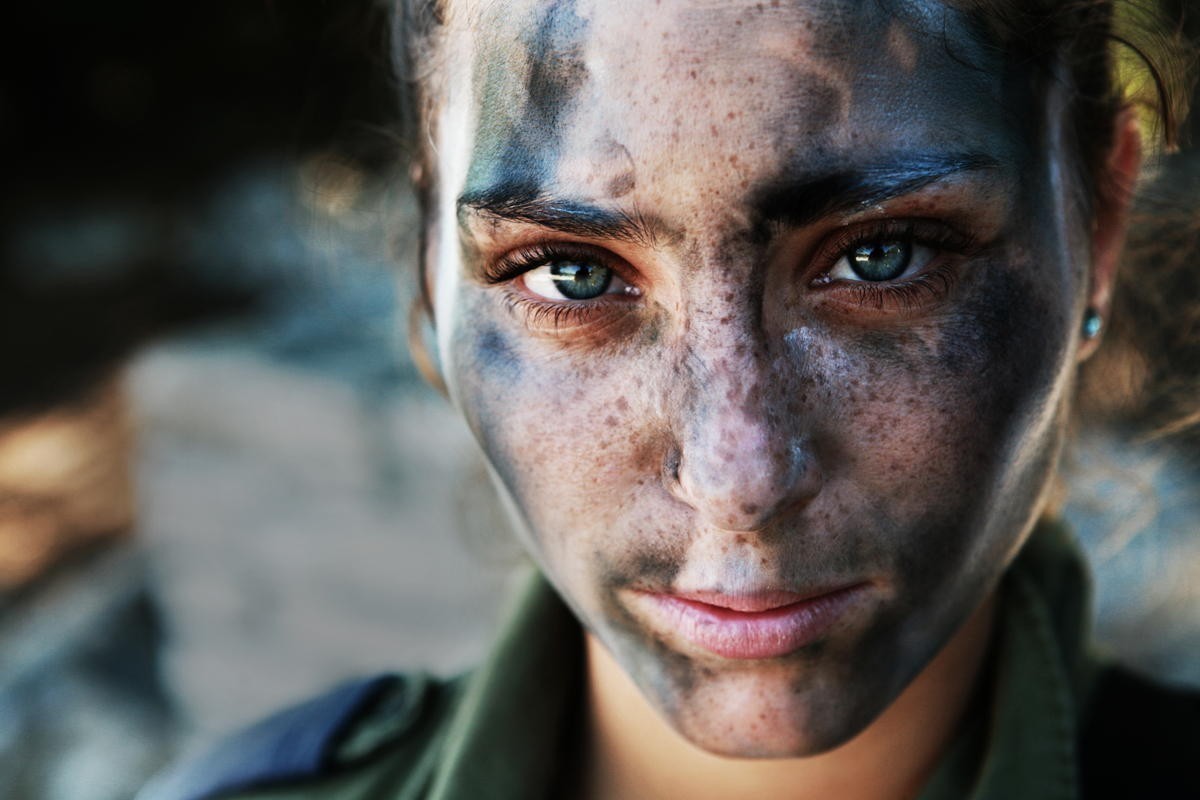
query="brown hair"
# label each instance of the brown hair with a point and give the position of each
(1111, 54)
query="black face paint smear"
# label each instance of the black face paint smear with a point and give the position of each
(520, 153)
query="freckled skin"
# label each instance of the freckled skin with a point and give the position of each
(735, 426)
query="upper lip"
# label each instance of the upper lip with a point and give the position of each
(753, 602)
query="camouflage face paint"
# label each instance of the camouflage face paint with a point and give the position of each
(737, 413)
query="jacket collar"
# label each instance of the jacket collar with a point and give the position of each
(1041, 672)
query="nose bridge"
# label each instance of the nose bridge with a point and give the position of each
(741, 457)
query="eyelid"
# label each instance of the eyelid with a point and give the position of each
(919, 231)
(520, 260)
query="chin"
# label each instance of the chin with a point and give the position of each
(772, 712)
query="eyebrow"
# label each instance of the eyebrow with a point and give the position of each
(522, 203)
(806, 200)
(794, 203)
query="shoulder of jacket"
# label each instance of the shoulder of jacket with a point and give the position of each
(327, 735)
(1140, 738)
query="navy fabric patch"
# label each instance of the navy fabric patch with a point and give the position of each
(294, 744)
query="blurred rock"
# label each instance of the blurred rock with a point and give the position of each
(83, 712)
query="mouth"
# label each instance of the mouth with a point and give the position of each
(749, 626)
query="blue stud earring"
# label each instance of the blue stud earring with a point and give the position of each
(1092, 323)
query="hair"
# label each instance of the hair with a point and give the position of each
(1111, 55)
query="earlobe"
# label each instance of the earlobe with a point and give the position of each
(1110, 224)
(419, 320)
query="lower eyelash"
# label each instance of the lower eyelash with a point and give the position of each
(909, 295)
(548, 315)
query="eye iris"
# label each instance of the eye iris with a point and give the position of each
(882, 260)
(580, 281)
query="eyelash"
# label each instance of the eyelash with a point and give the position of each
(907, 294)
(546, 313)
(932, 283)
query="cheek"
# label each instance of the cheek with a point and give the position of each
(565, 432)
(952, 428)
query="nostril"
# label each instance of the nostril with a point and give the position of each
(670, 470)
(746, 493)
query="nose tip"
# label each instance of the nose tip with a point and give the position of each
(743, 485)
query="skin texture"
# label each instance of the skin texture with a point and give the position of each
(746, 417)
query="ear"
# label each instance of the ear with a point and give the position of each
(421, 320)
(1111, 221)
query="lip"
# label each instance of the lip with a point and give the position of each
(750, 626)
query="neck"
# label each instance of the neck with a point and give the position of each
(630, 751)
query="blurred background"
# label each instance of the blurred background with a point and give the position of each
(223, 485)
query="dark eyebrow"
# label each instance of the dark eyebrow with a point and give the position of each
(794, 203)
(524, 204)
(801, 202)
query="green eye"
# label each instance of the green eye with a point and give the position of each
(882, 260)
(580, 281)
(569, 280)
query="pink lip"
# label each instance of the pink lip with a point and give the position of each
(756, 626)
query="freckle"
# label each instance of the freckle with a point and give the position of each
(622, 185)
(692, 74)
(714, 130)
(622, 404)
(611, 421)
(749, 508)
(739, 539)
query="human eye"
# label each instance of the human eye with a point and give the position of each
(894, 265)
(882, 259)
(552, 287)
(573, 279)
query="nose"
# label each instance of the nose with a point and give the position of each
(740, 458)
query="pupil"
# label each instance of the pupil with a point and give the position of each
(580, 281)
(881, 261)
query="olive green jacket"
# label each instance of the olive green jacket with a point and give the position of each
(1060, 726)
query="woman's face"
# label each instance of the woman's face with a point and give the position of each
(763, 314)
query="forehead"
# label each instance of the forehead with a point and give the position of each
(604, 98)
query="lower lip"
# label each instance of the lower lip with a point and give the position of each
(770, 633)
